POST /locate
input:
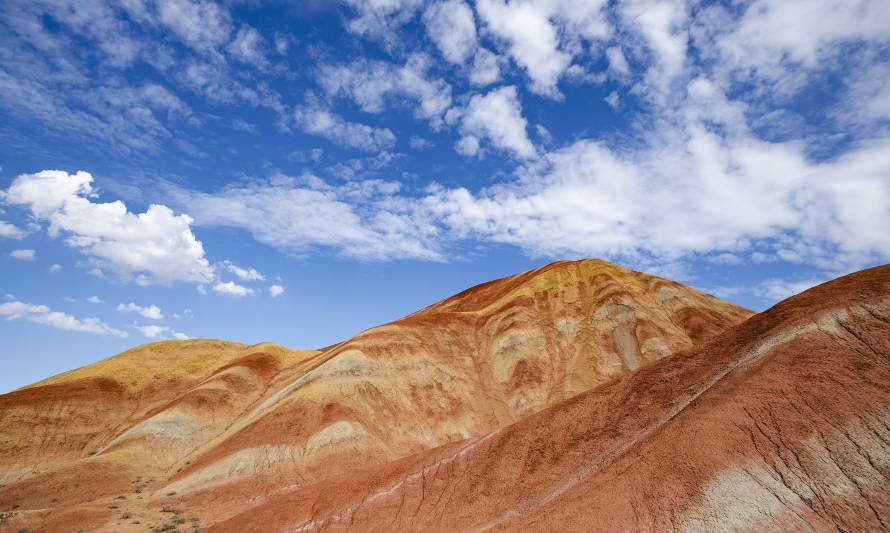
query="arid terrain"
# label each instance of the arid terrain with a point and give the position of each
(579, 396)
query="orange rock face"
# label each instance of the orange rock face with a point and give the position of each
(222, 431)
(779, 424)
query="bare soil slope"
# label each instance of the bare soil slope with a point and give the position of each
(779, 424)
(215, 428)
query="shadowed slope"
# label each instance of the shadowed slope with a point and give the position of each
(779, 424)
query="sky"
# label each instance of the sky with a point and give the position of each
(297, 172)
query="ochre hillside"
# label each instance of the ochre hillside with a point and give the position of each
(779, 424)
(215, 429)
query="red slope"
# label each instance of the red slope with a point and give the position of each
(779, 424)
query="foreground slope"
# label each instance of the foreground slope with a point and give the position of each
(779, 424)
(220, 431)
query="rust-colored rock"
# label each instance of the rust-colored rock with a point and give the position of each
(219, 429)
(779, 424)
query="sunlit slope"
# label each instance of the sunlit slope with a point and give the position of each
(778, 424)
(211, 425)
(477, 361)
(134, 413)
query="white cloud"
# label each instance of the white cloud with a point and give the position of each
(201, 25)
(542, 36)
(617, 62)
(360, 219)
(451, 26)
(241, 125)
(468, 146)
(370, 84)
(23, 255)
(10, 231)
(153, 331)
(246, 274)
(692, 193)
(485, 69)
(55, 268)
(276, 290)
(497, 116)
(350, 134)
(156, 246)
(419, 143)
(281, 43)
(778, 44)
(533, 41)
(778, 289)
(152, 312)
(94, 300)
(379, 19)
(230, 288)
(613, 99)
(42, 314)
(247, 46)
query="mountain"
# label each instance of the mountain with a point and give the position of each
(781, 423)
(214, 429)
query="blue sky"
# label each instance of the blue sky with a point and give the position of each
(298, 172)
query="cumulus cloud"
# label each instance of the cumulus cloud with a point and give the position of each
(10, 231)
(94, 300)
(154, 331)
(246, 274)
(156, 246)
(248, 47)
(230, 288)
(152, 312)
(496, 116)
(486, 68)
(42, 314)
(451, 26)
(698, 194)
(55, 268)
(276, 290)
(542, 35)
(350, 134)
(23, 255)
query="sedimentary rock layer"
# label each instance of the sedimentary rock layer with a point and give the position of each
(779, 424)
(216, 427)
